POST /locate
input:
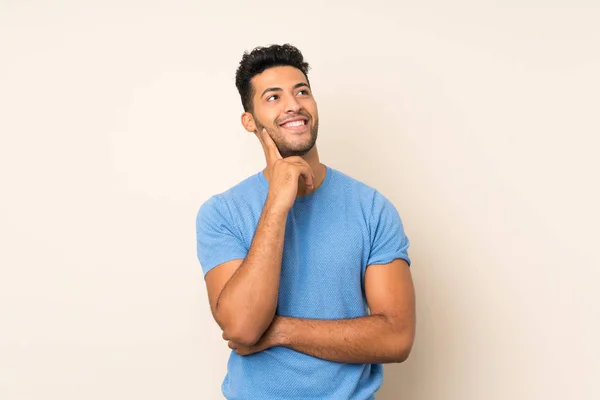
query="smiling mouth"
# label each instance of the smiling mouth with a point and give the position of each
(294, 124)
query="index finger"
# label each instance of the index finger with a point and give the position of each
(271, 150)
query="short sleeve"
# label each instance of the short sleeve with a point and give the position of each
(217, 241)
(388, 239)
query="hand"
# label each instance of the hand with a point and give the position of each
(284, 174)
(269, 339)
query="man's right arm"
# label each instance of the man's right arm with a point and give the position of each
(243, 293)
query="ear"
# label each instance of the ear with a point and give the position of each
(248, 122)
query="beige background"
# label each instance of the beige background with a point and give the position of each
(119, 118)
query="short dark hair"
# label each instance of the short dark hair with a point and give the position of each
(262, 58)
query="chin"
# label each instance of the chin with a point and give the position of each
(294, 152)
(302, 147)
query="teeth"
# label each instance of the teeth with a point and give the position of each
(295, 123)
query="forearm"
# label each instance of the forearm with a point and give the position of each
(247, 303)
(366, 340)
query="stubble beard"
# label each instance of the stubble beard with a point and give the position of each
(285, 149)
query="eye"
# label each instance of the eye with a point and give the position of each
(272, 98)
(303, 92)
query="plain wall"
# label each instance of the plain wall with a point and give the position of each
(119, 118)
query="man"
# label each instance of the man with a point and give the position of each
(307, 270)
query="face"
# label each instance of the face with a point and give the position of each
(285, 107)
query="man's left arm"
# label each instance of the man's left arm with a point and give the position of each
(384, 336)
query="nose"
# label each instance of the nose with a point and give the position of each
(292, 105)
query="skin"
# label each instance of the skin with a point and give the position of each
(293, 169)
(293, 99)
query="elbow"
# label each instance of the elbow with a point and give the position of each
(243, 338)
(401, 355)
(243, 334)
(241, 328)
(401, 348)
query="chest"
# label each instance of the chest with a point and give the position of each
(323, 264)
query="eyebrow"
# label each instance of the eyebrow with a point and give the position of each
(276, 89)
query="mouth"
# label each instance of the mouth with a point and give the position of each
(295, 124)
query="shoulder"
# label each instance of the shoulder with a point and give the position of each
(368, 196)
(245, 190)
(247, 187)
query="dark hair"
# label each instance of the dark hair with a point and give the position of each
(262, 58)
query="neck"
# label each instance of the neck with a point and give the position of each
(312, 158)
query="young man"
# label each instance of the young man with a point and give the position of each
(306, 268)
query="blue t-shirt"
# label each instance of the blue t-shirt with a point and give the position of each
(331, 236)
